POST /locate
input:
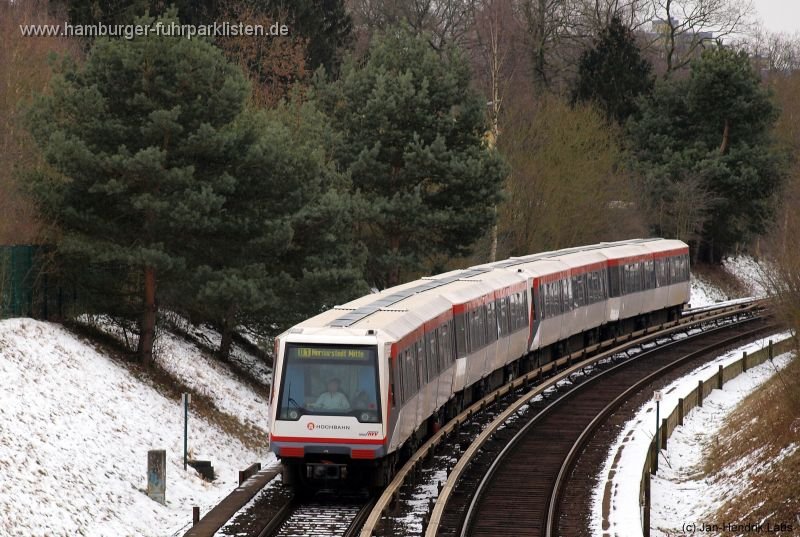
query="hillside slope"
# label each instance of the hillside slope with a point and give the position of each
(75, 428)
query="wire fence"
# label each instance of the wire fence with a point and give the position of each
(27, 288)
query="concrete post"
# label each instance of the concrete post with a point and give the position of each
(157, 475)
(699, 393)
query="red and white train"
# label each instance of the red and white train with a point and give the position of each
(361, 384)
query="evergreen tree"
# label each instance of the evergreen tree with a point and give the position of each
(326, 25)
(109, 12)
(285, 250)
(613, 73)
(164, 176)
(711, 130)
(412, 138)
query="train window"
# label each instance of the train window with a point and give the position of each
(578, 291)
(329, 380)
(398, 378)
(419, 360)
(649, 274)
(481, 312)
(471, 338)
(461, 336)
(500, 312)
(443, 351)
(430, 351)
(597, 288)
(673, 269)
(422, 363)
(406, 372)
(524, 319)
(660, 273)
(566, 295)
(614, 281)
(491, 322)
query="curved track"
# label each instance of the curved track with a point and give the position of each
(519, 492)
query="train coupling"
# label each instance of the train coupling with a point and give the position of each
(326, 471)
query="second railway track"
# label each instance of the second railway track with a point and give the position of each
(519, 490)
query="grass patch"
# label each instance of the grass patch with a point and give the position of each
(763, 425)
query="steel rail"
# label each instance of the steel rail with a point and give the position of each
(602, 416)
(614, 346)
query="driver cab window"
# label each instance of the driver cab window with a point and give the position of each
(329, 380)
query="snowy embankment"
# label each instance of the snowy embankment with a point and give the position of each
(185, 360)
(679, 494)
(206, 375)
(744, 268)
(75, 428)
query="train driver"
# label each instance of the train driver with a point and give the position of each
(333, 399)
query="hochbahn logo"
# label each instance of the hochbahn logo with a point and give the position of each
(311, 426)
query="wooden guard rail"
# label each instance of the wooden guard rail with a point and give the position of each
(694, 399)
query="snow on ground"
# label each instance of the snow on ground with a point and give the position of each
(678, 494)
(207, 337)
(744, 268)
(703, 293)
(206, 375)
(75, 428)
(748, 271)
(190, 364)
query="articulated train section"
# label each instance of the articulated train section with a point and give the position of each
(510, 454)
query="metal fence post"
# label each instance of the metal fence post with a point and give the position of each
(186, 399)
(719, 377)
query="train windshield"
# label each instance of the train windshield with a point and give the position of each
(330, 380)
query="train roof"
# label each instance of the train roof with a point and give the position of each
(399, 309)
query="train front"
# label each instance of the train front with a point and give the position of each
(327, 410)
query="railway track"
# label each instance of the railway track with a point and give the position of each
(439, 467)
(433, 466)
(324, 514)
(525, 480)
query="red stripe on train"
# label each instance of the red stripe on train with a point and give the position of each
(317, 440)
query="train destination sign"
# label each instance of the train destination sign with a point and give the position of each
(332, 353)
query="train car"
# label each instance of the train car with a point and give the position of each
(359, 387)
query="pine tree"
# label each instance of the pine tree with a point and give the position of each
(712, 130)
(326, 24)
(285, 250)
(612, 73)
(412, 139)
(168, 189)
